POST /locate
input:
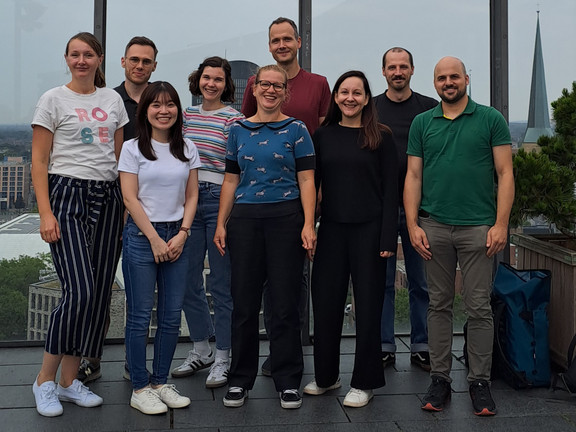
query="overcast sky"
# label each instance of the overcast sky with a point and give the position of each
(346, 34)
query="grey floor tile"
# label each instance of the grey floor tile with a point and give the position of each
(327, 427)
(104, 419)
(385, 408)
(260, 412)
(489, 424)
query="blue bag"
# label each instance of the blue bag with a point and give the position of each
(521, 354)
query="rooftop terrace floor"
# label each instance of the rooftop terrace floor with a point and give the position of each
(395, 407)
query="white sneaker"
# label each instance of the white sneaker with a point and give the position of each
(193, 363)
(171, 397)
(313, 389)
(47, 403)
(357, 398)
(218, 375)
(79, 394)
(148, 402)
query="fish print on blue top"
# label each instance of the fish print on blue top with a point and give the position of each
(266, 154)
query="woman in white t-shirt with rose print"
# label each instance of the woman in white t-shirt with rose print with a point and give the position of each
(159, 178)
(78, 133)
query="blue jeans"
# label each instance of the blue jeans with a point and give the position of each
(218, 280)
(141, 277)
(417, 291)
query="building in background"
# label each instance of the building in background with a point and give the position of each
(14, 183)
(538, 114)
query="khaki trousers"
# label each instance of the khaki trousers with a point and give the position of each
(464, 245)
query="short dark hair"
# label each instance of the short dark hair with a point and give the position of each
(142, 40)
(215, 61)
(281, 20)
(152, 92)
(398, 50)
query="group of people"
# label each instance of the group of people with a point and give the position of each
(128, 170)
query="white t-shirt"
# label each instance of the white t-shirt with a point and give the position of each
(161, 182)
(83, 126)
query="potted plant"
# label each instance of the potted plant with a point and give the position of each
(545, 188)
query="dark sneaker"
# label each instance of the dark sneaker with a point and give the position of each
(290, 399)
(482, 399)
(437, 395)
(193, 363)
(88, 372)
(388, 359)
(421, 359)
(267, 367)
(235, 397)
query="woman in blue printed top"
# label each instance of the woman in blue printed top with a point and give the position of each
(266, 221)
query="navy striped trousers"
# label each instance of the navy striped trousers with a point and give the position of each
(89, 213)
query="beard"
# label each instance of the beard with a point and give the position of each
(399, 84)
(452, 99)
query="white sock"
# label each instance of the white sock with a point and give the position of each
(222, 354)
(203, 348)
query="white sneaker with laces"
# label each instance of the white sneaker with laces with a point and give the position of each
(47, 403)
(357, 398)
(79, 394)
(193, 363)
(218, 375)
(313, 389)
(147, 401)
(171, 397)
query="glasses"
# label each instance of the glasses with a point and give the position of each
(265, 85)
(135, 61)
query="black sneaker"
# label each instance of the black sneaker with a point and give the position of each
(235, 397)
(437, 395)
(388, 358)
(482, 399)
(266, 367)
(421, 359)
(290, 399)
(88, 372)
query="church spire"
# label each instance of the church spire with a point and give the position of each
(538, 115)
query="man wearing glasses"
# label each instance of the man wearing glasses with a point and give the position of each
(139, 62)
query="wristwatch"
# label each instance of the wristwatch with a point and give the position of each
(186, 229)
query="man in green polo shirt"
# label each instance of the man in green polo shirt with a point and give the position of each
(456, 214)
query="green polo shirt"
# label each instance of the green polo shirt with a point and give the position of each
(458, 178)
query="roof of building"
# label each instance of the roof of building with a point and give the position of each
(21, 236)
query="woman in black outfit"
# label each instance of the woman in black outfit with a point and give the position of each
(357, 175)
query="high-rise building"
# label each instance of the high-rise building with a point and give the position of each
(14, 183)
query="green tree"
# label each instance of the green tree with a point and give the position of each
(16, 275)
(545, 181)
(13, 314)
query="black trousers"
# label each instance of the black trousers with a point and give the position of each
(346, 250)
(266, 249)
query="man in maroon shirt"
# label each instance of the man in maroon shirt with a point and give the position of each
(309, 93)
(308, 100)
